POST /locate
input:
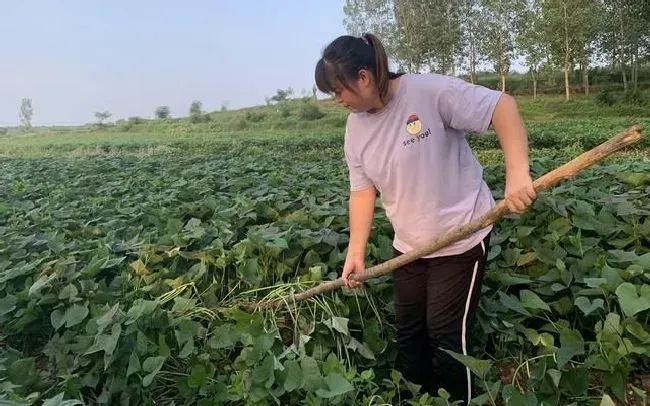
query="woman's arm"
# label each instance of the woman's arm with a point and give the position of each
(510, 130)
(362, 210)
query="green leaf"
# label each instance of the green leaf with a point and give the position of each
(263, 373)
(151, 365)
(58, 401)
(478, 366)
(69, 292)
(639, 393)
(140, 308)
(337, 385)
(223, 336)
(134, 364)
(250, 271)
(106, 342)
(571, 344)
(339, 324)
(57, 318)
(21, 371)
(616, 381)
(198, 377)
(595, 282)
(587, 307)
(75, 314)
(361, 348)
(311, 375)
(634, 179)
(107, 318)
(293, 380)
(526, 259)
(575, 381)
(530, 300)
(139, 267)
(607, 401)
(544, 339)
(585, 209)
(513, 397)
(512, 303)
(43, 281)
(631, 301)
(7, 304)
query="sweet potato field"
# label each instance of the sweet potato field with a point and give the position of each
(122, 280)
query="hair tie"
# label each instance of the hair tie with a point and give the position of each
(365, 39)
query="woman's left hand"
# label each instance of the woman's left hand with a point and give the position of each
(520, 192)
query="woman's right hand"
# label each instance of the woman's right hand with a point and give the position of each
(353, 264)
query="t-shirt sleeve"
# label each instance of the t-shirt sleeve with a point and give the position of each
(358, 178)
(467, 107)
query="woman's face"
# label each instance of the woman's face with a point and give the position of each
(362, 97)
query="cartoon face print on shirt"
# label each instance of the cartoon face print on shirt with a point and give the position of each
(413, 125)
(415, 130)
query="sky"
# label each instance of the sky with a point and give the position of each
(74, 57)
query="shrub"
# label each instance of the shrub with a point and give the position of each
(254, 117)
(635, 97)
(605, 97)
(162, 112)
(309, 111)
(241, 124)
(285, 110)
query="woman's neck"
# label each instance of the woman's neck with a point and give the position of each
(380, 104)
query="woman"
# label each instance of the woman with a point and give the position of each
(405, 140)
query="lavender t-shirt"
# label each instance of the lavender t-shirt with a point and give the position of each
(415, 153)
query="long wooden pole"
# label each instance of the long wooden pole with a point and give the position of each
(550, 179)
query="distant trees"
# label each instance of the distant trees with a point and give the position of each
(196, 111)
(162, 112)
(282, 94)
(101, 116)
(548, 35)
(25, 114)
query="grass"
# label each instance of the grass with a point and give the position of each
(550, 121)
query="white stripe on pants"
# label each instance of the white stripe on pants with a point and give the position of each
(464, 332)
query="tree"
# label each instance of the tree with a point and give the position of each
(25, 114)
(412, 47)
(196, 113)
(196, 108)
(162, 112)
(282, 95)
(101, 116)
(569, 27)
(500, 19)
(470, 18)
(439, 32)
(624, 29)
(375, 16)
(530, 39)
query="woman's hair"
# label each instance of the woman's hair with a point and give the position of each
(344, 57)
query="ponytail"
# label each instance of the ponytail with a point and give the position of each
(382, 75)
(344, 57)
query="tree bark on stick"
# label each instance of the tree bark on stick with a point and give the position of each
(550, 179)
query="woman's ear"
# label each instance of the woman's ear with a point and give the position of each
(365, 78)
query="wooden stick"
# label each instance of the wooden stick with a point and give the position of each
(566, 171)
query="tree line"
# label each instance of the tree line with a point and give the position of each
(446, 36)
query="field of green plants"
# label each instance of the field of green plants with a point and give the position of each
(126, 261)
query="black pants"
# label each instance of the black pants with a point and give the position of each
(435, 306)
